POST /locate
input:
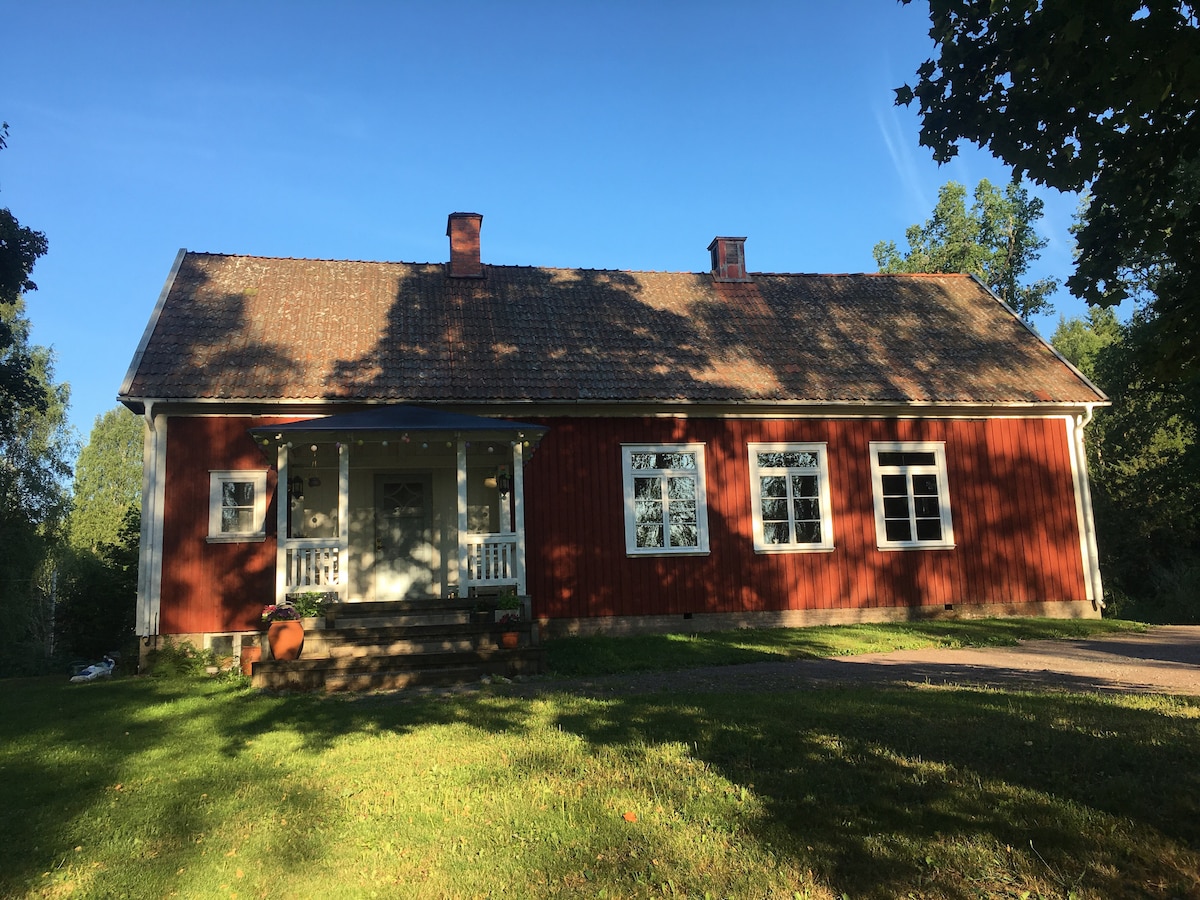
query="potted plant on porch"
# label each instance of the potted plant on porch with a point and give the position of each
(509, 637)
(311, 605)
(508, 604)
(285, 631)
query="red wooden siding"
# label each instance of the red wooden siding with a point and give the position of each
(211, 587)
(1010, 487)
(1011, 495)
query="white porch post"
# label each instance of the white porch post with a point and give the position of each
(343, 512)
(281, 522)
(461, 466)
(518, 498)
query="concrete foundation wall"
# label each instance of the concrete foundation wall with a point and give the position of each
(802, 618)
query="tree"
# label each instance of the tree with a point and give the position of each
(108, 479)
(1082, 341)
(1087, 96)
(20, 248)
(994, 240)
(34, 466)
(1144, 464)
(98, 593)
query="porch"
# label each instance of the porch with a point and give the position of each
(400, 504)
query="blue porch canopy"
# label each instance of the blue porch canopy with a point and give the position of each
(402, 418)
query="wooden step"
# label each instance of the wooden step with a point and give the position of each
(394, 672)
(394, 645)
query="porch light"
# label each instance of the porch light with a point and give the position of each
(296, 488)
(503, 482)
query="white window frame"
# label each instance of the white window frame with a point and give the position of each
(216, 481)
(938, 469)
(627, 452)
(821, 470)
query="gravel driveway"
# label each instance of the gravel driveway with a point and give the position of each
(1164, 660)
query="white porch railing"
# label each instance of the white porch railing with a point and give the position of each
(312, 565)
(491, 560)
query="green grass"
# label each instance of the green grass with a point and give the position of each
(583, 656)
(151, 788)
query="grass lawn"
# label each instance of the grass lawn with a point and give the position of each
(663, 652)
(155, 788)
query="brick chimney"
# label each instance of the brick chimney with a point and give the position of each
(463, 231)
(729, 259)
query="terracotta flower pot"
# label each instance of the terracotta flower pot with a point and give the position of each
(250, 655)
(286, 638)
(509, 639)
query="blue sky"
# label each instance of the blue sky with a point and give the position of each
(598, 135)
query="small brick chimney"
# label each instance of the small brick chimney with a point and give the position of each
(463, 231)
(729, 259)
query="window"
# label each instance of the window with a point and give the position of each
(237, 506)
(912, 505)
(665, 510)
(789, 494)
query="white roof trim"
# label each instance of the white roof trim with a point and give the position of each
(1049, 346)
(150, 326)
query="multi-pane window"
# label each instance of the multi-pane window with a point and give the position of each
(237, 505)
(665, 509)
(789, 492)
(912, 505)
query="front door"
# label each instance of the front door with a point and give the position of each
(403, 567)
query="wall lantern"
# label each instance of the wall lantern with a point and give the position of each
(296, 488)
(503, 481)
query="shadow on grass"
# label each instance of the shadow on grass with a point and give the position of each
(582, 656)
(877, 788)
(880, 791)
(64, 772)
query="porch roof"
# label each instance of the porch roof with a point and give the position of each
(404, 418)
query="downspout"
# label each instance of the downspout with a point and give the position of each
(1087, 524)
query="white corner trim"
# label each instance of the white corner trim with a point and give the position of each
(1088, 548)
(150, 550)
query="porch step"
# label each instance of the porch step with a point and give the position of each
(390, 646)
(392, 614)
(339, 614)
(394, 640)
(395, 672)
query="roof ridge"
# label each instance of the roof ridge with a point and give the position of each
(400, 262)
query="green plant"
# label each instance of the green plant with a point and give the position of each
(508, 600)
(179, 660)
(310, 604)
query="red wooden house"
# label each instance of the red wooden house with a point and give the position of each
(633, 450)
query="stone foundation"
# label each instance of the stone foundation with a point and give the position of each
(804, 618)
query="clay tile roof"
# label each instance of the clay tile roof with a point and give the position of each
(250, 328)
